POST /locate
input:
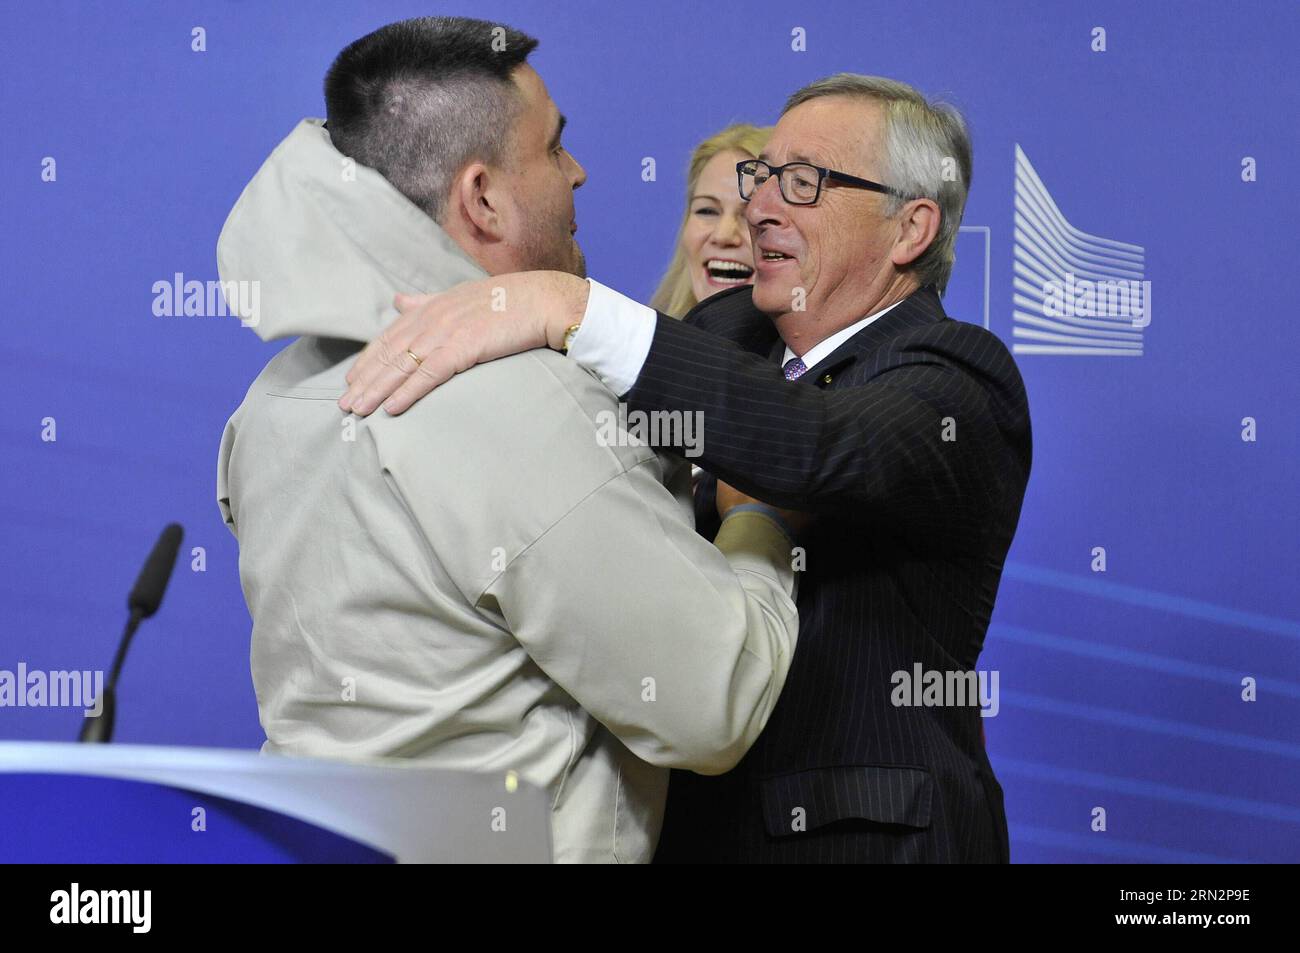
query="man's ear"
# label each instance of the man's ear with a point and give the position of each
(477, 203)
(918, 225)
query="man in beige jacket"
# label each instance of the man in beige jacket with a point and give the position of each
(487, 582)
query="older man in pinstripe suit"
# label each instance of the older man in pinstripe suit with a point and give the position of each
(836, 385)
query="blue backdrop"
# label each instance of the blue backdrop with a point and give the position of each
(1120, 689)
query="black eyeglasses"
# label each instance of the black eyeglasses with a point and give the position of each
(800, 182)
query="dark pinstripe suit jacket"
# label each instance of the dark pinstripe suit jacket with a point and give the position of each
(903, 565)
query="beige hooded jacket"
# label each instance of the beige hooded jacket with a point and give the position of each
(481, 583)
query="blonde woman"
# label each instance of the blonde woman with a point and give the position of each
(713, 251)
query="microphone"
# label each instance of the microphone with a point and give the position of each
(144, 600)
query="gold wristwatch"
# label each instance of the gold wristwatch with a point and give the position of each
(568, 337)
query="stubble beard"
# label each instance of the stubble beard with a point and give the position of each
(552, 248)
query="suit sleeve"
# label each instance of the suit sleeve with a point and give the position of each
(917, 445)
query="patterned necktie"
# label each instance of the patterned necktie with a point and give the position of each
(794, 368)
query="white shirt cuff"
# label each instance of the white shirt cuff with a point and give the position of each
(615, 337)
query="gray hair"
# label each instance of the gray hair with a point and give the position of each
(420, 99)
(924, 141)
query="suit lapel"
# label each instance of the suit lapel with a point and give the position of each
(732, 315)
(918, 309)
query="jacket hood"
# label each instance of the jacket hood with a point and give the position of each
(328, 243)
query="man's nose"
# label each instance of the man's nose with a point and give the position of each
(579, 174)
(766, 206)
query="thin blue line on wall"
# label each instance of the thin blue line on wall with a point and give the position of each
(1148, 789)
(1160, 726)
(1147, 660)
(1133, 595)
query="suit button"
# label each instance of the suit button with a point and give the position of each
(826, 379)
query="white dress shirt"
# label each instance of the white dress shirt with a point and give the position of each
(826, 347)
(614, 339)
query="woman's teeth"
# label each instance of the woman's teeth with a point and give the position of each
(728, 272)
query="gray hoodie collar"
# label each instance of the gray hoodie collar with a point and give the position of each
(329, 242)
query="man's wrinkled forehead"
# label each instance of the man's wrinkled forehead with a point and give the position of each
(833, 131)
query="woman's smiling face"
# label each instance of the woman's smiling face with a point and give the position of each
(716, 236)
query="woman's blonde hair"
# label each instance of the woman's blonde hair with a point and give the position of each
(675, 296)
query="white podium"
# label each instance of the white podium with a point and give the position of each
(411, 813)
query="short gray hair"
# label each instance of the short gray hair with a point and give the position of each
(919, 136)
(419, 99)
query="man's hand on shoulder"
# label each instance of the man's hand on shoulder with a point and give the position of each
(439, 336)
